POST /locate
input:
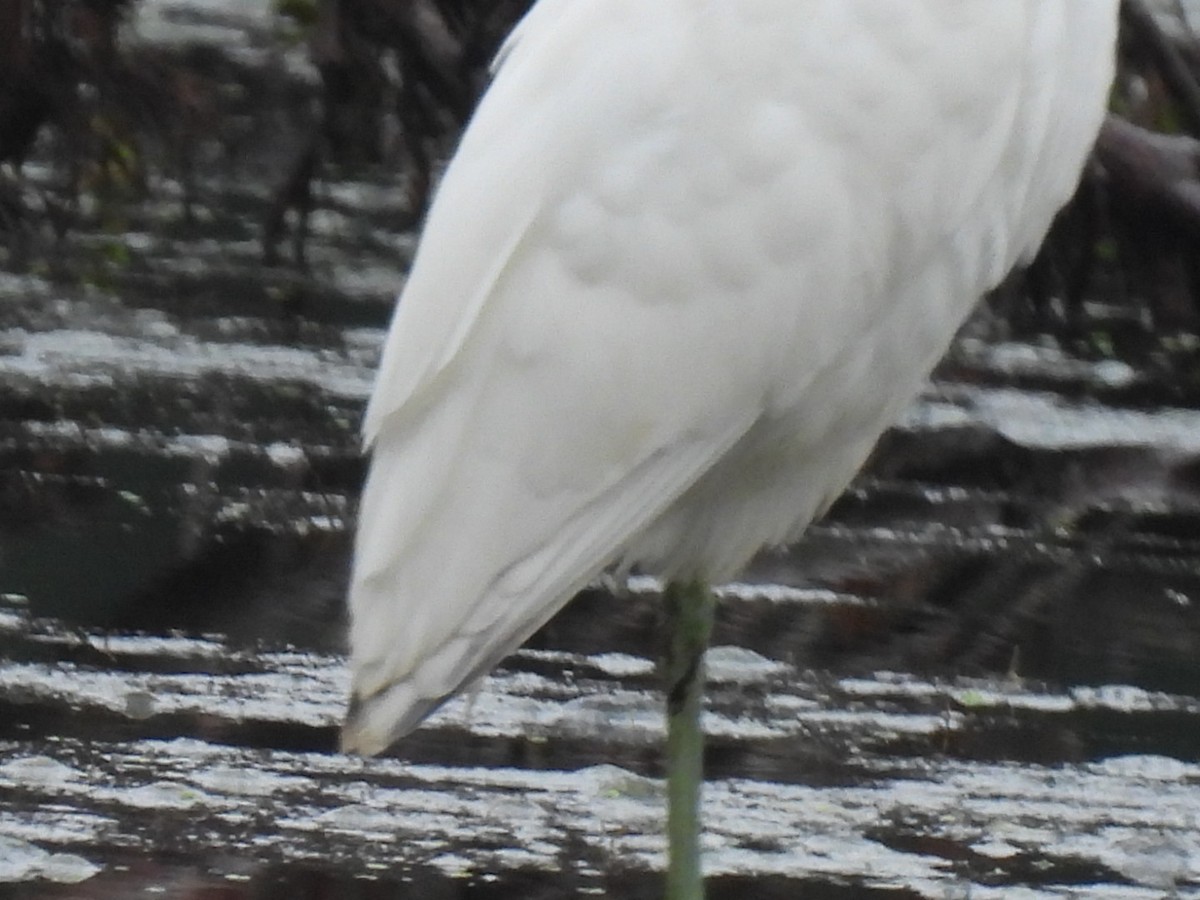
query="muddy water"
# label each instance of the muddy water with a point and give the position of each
(170, 762)
(978, 677)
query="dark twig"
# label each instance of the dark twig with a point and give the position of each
(1176, 72)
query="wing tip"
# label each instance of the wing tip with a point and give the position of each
(376, 722)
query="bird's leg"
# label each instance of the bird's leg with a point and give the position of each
(689, 615)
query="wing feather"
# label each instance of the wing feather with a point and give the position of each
(406, 666)
(591, 325)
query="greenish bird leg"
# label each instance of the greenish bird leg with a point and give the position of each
(689, 614)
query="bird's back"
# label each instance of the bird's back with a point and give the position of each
(690, 259)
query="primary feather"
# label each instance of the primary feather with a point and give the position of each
(690, 259)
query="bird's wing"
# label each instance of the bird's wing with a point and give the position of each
(631, 261)
(539, 401)
(445, 613)
(570, 418)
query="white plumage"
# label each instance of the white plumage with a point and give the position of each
(690, 259)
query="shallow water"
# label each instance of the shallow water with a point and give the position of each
(142, 760)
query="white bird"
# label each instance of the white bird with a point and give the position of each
(688, 262)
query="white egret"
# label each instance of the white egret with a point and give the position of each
(690, 259)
